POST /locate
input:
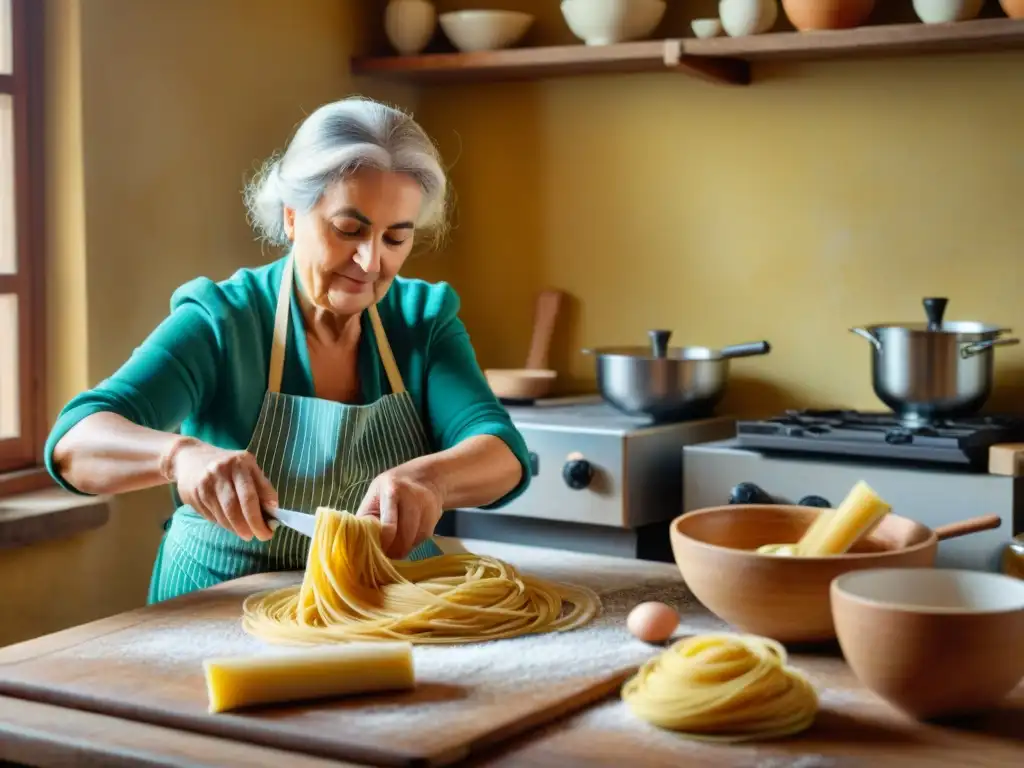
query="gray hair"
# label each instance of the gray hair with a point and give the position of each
(335, 141)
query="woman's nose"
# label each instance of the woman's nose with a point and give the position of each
(368, 256)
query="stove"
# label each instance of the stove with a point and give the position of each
(603, 481)
(962, 442)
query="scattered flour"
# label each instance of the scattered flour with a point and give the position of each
(487, 673)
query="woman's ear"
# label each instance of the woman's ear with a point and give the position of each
(289, 222)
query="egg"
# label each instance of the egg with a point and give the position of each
(652, 622)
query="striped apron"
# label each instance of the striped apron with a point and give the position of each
(315, 453)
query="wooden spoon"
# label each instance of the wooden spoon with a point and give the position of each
(965, 527)
(536, 379)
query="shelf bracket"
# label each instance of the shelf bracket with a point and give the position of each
(712, 69)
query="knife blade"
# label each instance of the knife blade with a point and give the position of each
(297, 521)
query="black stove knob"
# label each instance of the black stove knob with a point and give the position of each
(577, 472)
(814, 501)
(748, 493)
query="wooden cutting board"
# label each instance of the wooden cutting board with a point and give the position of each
(146, 665)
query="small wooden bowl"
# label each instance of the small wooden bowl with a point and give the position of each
(932, 642)
(521, 383)
(785, 598)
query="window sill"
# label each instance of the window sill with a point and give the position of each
(40, 516)
(24, 481)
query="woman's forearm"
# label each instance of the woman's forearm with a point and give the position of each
(105, 453)
(477, 471)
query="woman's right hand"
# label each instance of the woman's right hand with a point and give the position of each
(226, 487)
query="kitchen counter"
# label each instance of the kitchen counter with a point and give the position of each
(854, 727)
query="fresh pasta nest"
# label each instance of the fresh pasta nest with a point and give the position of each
(723, 687)
(351, 591)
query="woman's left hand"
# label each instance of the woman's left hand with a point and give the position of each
(408, 507)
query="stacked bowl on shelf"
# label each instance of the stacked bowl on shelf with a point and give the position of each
(410, 24)
(603, 22)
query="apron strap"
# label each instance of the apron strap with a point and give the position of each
(386, 356)
(280, 339)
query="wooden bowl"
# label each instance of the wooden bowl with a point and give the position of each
(785, 598)
(932, 642)
(521, 383)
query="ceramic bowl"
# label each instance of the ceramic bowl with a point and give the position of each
(747, 17)
(945, 11)
(472, 31)
(785, 598)
(932, 642)
(812, 15)
(1013, 8)
(603, 22)
(705, 28)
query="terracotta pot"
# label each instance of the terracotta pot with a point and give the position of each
(1013, 8)
(808, 15)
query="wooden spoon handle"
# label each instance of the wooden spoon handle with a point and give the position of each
(964, 527)
(548, 305)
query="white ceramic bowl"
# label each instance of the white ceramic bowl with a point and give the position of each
(932, 642)
(747, 17)
(472, 31)
(945, 11)
(705, 28)
(603, 22)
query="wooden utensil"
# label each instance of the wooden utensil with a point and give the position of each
(536, 379)
(965, 527)
(146, 666)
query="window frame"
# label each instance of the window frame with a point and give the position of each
(21, 456)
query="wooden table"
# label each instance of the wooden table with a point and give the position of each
(854, 728)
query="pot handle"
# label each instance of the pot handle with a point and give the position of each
(659, 342)
(869, 336)
(747, 349)
(935, 309)
(977, 347)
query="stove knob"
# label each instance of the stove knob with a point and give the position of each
(748, 493)
(814, 501)
(577, 472)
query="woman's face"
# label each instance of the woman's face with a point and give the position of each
(350, 246)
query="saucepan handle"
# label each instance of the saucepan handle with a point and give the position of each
(977, 347)
(866, 334)
(748, 349)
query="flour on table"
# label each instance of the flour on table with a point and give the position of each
(487, 672)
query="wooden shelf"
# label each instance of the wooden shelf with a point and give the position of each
(721, 59)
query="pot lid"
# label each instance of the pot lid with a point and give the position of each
(646, 353)
(956, 328)
(660, 350)
(935, 309)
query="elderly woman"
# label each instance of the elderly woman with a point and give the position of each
(322, 379)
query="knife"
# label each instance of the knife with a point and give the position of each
(297, 521)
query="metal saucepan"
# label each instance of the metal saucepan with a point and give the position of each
(933, 370)
(667, 384)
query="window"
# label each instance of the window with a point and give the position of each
(22, 407)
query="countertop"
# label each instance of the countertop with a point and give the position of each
(854, 727)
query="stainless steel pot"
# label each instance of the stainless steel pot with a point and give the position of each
(667, 384)
(933, 370)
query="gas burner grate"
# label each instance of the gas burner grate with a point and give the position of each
(882, 435)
